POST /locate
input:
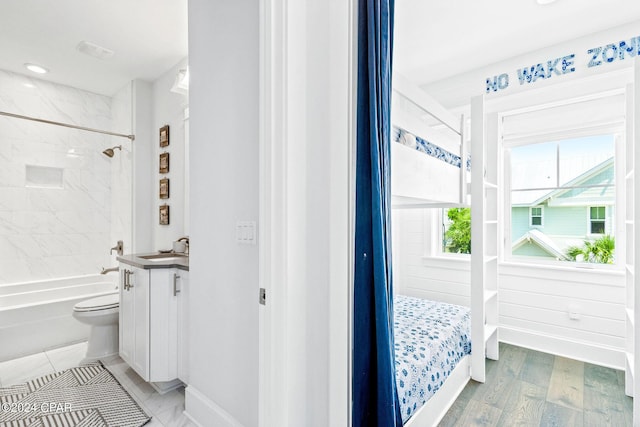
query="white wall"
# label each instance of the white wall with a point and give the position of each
(143, 213)
(152, 105)
(168, 109)
(224, 133)
(306, 154)
(534, 302)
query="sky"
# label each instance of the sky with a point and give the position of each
(536, 165)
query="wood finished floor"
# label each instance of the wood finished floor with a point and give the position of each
(530, 388)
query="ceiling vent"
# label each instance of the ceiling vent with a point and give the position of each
(94, 50)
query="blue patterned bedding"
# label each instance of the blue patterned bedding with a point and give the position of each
(404, 137)
(430, 339)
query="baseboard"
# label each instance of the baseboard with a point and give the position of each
(163, 387)
(204, 412)
(599, 355)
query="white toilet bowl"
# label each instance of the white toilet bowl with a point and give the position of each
(101, 314)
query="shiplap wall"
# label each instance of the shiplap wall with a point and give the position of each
(535, 302)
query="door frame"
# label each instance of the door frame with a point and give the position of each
(284, 52)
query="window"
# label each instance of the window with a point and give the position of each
(597, 220)
(560, 194)
(456, 230)
(536, 216)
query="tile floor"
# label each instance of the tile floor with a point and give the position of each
(165, 410)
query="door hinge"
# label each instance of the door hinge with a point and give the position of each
(263, 296)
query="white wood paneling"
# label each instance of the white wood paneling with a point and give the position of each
(438, 286)
(530, 282)
(544, 316)
(606, 310)
(554, 330)
(438, 273)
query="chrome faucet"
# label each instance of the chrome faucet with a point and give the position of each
(184, 239)
(109, 270)
(119, 248)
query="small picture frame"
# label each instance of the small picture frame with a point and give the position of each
(164, 215)
(164, 136)
(164, 163)
(164, 188)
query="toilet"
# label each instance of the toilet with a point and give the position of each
(101, 314)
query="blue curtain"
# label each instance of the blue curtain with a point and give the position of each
(375, 398)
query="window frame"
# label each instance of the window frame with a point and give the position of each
(541, 216)
(618, 133)
(591, 220)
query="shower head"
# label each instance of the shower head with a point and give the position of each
(109, 151)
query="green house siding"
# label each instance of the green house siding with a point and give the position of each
(519, 222)
(531, 249)
(588, 195)
(556, 221)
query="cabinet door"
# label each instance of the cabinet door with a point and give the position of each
(134, 318)
(140, 288)
(183, 329)
(126, 316)
(164, 293)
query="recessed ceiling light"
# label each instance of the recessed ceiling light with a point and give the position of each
(545, 1)
(36, 68)
(29, 85)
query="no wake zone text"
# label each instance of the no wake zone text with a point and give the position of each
(566, 64)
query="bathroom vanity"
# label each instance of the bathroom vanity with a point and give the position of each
(153, 290)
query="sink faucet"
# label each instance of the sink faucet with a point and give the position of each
(184, 239)
(119, 248)
(109, 270)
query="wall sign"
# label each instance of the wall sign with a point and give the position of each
(557, 67)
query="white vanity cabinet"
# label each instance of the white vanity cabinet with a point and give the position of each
(149, 304)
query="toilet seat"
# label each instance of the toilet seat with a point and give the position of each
(104, 302)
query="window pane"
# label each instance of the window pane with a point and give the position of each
(456, 226)
(557, 184)
(535, 164)
(597, 227)
(578, 156)
(598, 212)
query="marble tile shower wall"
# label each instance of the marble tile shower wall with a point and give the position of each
(50, 227)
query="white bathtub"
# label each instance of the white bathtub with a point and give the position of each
(35, 316)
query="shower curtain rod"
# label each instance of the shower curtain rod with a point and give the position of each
(50, 122)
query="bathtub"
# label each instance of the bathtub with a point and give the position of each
(36, 316)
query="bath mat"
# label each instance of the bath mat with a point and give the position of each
(86, 396)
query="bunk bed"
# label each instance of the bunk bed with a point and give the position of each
(430, 168)
(428, 151)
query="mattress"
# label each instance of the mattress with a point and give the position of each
(430, 339)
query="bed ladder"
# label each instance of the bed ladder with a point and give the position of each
(484, 237)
